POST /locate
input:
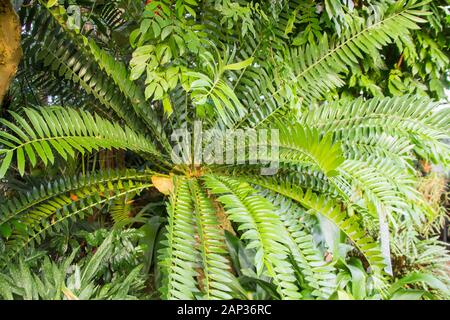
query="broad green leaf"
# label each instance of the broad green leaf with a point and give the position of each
(51, 3)
(6, 161)
(20, 161)
(415, 277)
(239, 65)
(167, 105)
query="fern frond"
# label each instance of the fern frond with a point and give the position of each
(396, 150)
(261, 227)
(112, 14)
(302, 176)
(121, 77)
(215, 275)
(62, 190)
(318, 204)
(310, 71)
(318, 275)
(297, 142)
(290, 145)
(381, 184)
(64, 130)
(424, 123)
(71, 56)
(120, 210)
(317, 68)
(49, 217)
(378, 136)
(36, 77)
(177, 259)
(213, 85)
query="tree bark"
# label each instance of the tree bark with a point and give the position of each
(10, 49)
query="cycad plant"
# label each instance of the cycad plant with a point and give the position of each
(347, 150)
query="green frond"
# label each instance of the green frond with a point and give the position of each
(318, 204)
(213, 85)
(63, 131)
(48, 217)
(310, 71)
(383, 186)
(121, 77)
(68, 56)
(194, 261)
(261, 227)
(61, 191)
(216, 278)
(302, 176)
(319, 275)
(178, 259)
(324, 192)
(120, 210)
(255, 87)
(424, 123)
(396, 150)
(290, 145)
(298, 142)
(36, 77)
(316, 68)
(111, 16)
(378, 137)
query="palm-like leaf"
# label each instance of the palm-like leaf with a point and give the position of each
(65, 131)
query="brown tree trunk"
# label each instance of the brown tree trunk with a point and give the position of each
(10, 49)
